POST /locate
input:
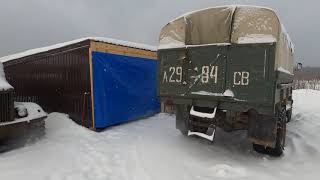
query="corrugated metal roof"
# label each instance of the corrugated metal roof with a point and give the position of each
(56, 46)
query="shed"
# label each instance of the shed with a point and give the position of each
(99, 82)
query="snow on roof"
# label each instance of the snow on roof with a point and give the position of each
(4, 85)
(257, 38)
(281, 69)
(56, 46)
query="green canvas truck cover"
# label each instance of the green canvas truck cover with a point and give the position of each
(225, 51)
(230, 24)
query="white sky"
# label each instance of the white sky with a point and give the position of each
(35, 23)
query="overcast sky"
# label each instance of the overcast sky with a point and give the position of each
(26, 24)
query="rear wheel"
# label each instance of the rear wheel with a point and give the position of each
(280, 139)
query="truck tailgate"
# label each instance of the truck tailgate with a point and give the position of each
(239, 71)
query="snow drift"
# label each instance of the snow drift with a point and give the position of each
(154, 149)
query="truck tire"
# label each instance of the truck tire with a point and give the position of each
(280, 140)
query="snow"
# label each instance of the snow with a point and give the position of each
(288, 38)
(228, 93)
(4, 85)
(211, 44)
(205, 93)
(257, 38)
(153, 149)
(99, 39)
(281, 69)
(203, 115)
(168, 43)
(205, 136)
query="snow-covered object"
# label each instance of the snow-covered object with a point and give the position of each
(233, 24)
(228, 93)
(257, 38)
(99, 39)
(34, 112)
(21, 111)
(151, 148)
(281, 69)
(205, 93)
(205, 136)
(4, 85)
(169, 42)
(202, 114)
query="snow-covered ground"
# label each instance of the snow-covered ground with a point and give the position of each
(153, 149)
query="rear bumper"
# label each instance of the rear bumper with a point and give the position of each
(225, 103)
(18, 128)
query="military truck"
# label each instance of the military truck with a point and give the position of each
(17, 119)
(229, 67)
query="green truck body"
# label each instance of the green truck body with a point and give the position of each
(243, 82)
(200, 75)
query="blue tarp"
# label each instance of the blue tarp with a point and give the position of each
(124, 88)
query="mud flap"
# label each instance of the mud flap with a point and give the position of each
(181, 116)
(262, 129)
(212, 128)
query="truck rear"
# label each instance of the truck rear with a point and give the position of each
(226, 83)
(215, 73)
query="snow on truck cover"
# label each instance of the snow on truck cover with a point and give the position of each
(60, 45)
(232, 24)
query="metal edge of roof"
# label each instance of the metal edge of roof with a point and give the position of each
(64, 44)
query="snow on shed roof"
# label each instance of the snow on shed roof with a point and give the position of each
(60, 45)
(4, 85)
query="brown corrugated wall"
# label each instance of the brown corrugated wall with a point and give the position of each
(58, 80)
